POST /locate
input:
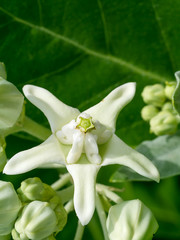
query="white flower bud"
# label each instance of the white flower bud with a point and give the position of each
(131, 220)
(154, 95)
(165, 122)
(168, 106)
(169, 89)
(34, 189)
(149, 112)
(37, 221)
(9, 207)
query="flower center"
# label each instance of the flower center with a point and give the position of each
(85, 124)
(84, 135)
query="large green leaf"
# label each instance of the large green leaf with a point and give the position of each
(80, 50)
(162, 151)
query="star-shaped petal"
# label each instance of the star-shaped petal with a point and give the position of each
(53, 152)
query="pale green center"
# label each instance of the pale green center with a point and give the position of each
(85, 124)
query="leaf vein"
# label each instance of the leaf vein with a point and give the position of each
(106, 35)
(108, 57)
(62, 69)
(163, 35)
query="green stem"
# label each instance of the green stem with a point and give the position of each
(69, 206)
(66, 194)
(35, 129)
(102, 216)
(61, 182)
(105, 190)
(29, 126)
(79, 231)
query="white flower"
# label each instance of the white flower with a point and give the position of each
(131, 220)
(84, 142)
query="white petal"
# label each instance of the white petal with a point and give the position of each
(47, 153)
(106, 112)
(84, 176)
(77, 148)
(65, 135)
(117, 152)
(91, 149)
(57, 113)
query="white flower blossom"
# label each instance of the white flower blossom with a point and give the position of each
(84, 142)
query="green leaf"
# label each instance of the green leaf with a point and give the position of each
(176, 97)
(164, 154)
(81, 50)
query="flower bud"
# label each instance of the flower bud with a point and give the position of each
(165, 122)
(9, 207)
(169, 89)
(131, 220)
(37, 221)
(11, 104)
(149, 112)
(168, 107)
(34, 189)
(154, 95)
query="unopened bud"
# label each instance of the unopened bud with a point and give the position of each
(34, 189)
(149, 112)
(37, 221)
(154, 95)
(169, 89)
(131, 220)
(167, 107)
(165, 122)
(9, 207)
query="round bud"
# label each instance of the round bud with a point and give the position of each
(165, 122)
(37, 221)
(168, 107)
(154, 95)
(9, 207)
(149, 112)
(169, 89)
(131, 220)
(34, 189)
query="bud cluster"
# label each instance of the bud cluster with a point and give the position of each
(34, 212)
(159, 111)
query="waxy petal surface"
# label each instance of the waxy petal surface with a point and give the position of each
(47, 153)
(84, 177)
(106, 112)
(117, 152)
(57, 113)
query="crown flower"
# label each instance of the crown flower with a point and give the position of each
(83, 142)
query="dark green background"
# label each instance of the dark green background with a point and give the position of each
(80, 51)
